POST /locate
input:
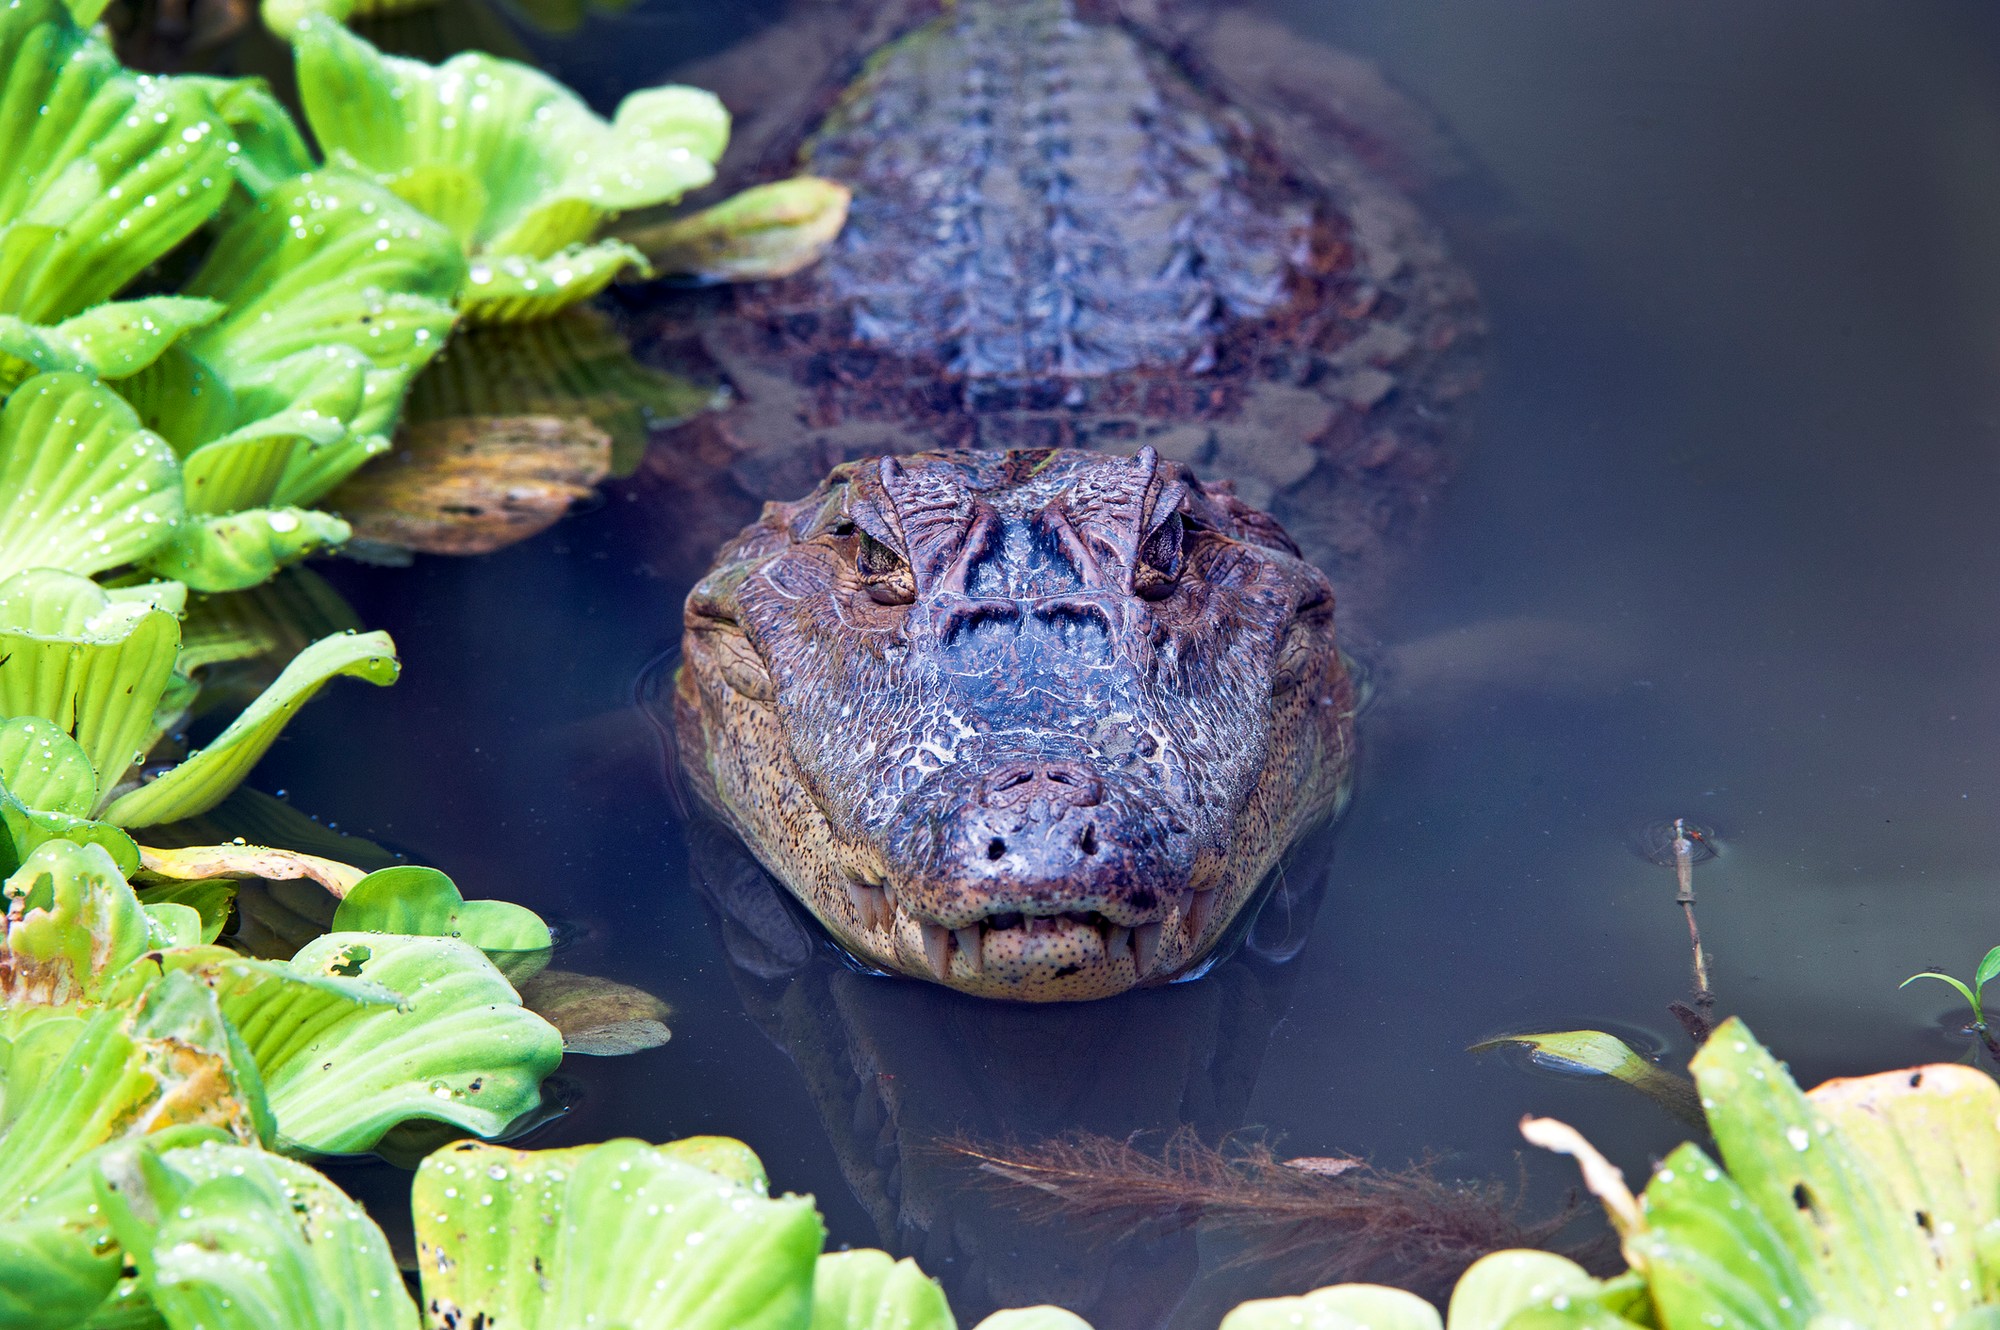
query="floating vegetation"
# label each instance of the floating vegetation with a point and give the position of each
(1313, 1218)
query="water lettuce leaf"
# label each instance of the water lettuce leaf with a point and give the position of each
(208, 774)
(870, 1290)
(111, 341)
(94, 664)
(512, 162)
(237, 550)
(337, 294)
(1835, 1189)
(620, 1234)
(459, 1048)
(83, 485)
(1033, 1318)
(1342, 1307)
(1498, 1285)
(76, 1083)
(45, 768)
(72, 925)
(236, 1239)
(107, 170)
(572, 364)
(423, 902)
(764, 232)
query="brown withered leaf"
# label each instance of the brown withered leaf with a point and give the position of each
(598, 1017)
(474, 484)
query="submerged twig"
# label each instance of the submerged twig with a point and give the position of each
(1704, 997)
(1329, 1219)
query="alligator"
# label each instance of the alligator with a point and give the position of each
(1030, 694)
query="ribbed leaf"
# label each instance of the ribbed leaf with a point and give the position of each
(284, 616)
(209, 898)
(243, 549)
(512, 288)
(270, 149)
(618, 1234)
(182, 399)
(107, 1077)
(112, 340)
(58, 1256)
(106, 171)
(1498, 1285)
(74, 925)
(334, 266)
(461, 1049)
(83, 487)
(1033, 1318)
(1826, 1206)
(44, 768)
(95, 666)
(1707, 1252)
(23, 829)
(869, 1290)
(764, 232)
(230, 1238)
(122, 337)
(210, 773)
(1930, 1137)
(1342, 1307)
(510, 160)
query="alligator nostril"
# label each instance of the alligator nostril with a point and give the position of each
(1087, 842)
(995, 848)
(1059, 776)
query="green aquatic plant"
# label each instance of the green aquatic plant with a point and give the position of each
(275, 370)
(1868, 1202)
(766, 231)
(1973, 994)
(513, 163)
(100, 667)
(1598, 1053)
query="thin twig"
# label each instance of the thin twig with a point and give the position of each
(1704, 997)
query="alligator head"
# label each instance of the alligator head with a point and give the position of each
(1030, 724)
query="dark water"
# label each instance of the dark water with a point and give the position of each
(1724, 548)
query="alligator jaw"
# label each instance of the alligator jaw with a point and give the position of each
(1014, 953)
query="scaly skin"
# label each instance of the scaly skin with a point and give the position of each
(1031, 724)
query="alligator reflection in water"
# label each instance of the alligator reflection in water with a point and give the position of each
(899, 1070)
(897, 1066)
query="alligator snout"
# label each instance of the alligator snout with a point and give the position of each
(1024, 869)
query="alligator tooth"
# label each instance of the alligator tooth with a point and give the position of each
(968, 945)
(1199, 912)
(864, 905)
(1146, 947)
(1117, 944)
(1040, 923)
(937, 949)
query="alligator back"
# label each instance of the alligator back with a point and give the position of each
(1064, 236)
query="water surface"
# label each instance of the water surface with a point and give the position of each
(1723, 547)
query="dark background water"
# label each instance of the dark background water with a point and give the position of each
(1724, 548)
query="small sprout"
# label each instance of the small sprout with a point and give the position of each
(1988, 967)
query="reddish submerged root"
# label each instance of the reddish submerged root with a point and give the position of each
(1314, 1220)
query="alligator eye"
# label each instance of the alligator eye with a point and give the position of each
(1160, 561)
(884, 575)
